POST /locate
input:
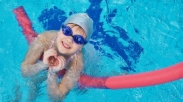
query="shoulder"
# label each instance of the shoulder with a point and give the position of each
(77, 57)
(44, 39)
(47, 36)
(77, 61)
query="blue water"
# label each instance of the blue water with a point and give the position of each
(131, 36)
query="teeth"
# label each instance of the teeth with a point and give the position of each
(65, 45)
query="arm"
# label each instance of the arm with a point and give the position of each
(31, 65)
(68, 81)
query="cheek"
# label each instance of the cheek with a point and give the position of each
(60, 37)
(58, 41)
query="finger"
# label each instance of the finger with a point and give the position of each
(61, 64)
(53, 61)
(49, 53)
(62, 61)
(57, 67)
(56, 63)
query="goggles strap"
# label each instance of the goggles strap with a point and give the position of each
(70, 58)
(53, 41)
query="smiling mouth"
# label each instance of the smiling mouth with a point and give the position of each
(65, 45)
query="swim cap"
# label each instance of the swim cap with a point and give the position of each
(84, 21)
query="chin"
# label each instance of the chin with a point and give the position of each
(64, 53)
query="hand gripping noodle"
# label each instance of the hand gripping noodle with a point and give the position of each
(84, 21)
(160, 76)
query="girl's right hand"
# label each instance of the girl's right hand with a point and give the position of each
(49, 57)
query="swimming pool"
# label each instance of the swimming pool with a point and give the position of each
(130, 37)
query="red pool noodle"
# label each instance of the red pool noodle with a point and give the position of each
(161, 76)
(25, 23)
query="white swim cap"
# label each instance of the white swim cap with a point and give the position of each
(84, 21)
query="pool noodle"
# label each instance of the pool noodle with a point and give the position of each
(160, 76)
(25, 23)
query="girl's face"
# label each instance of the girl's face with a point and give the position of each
(65, 44)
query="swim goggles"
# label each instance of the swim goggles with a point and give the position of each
(78, 39)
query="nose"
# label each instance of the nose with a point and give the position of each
(69, 39)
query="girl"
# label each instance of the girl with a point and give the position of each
(60, 50)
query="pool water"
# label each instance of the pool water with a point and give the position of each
(131, 36)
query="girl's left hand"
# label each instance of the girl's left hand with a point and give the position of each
(61, 64)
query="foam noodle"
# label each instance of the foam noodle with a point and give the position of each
(161, 76)
(25, 23)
